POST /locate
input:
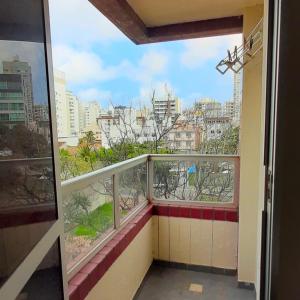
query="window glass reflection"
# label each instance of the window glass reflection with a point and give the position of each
(27, 191)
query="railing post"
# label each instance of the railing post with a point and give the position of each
(150, 175)
(236, 193)
(116, 200)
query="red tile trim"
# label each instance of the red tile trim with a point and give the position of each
(197, 212)
(92, 272)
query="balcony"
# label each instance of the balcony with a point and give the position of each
(159, 212)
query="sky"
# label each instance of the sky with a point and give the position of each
(102, 64)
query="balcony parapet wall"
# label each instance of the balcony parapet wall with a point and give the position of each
(88, 276)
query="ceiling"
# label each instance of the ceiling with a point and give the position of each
(151, 21)
(164, 12)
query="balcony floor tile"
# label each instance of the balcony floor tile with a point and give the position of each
(174, 284)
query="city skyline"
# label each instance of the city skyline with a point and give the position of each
(97, 70)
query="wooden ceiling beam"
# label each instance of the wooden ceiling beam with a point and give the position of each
(120, 13)
(197, 29)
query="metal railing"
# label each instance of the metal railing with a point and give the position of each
(118, 192)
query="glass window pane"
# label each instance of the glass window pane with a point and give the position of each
(27, 191)
(88, 218)
(132, 188)
(205, 180)
(46, 282)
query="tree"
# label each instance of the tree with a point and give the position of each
(227, 143)
(24, 142)
(76, 210)
(89, 140)
(87, 149)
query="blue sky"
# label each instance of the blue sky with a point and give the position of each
(104, 65)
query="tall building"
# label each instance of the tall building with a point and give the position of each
(88, 114)
(62, 107)
(237, 96)
(24, 70)
(230, 109)
(41, 112)
(41, 117)
(73, 106)
(73, 117)
(166, 105)
(91, 113)
(12, 108)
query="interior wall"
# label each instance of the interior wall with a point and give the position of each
(197, 242)
(124, 277)
(250, 156)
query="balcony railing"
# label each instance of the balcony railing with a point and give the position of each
(98, 204)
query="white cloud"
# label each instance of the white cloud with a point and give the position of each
(81, 66)
(94, 94)
(151, 65)
(199, 51)
(154, 62)
(78, 22)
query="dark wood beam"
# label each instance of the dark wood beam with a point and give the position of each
(120, 13)
(197, 29)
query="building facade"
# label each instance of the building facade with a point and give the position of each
(214, 127)
(237, 96)
(73, 110)
(12, 106)
(62, 107)
(184, 137)
(167, 107)
(122, 123)
(24, 70)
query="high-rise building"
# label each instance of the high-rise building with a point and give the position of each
(229, 109)
(237, 96)
(88, 114)
(41, 112)
(12, 109)
(73, 105)
(24, 70)
(74, 118)
(62, 107)
(166, 105)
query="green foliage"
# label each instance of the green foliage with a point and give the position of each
(72, 165)
(88, 140)
(228, 143)
(95, 222)
(76, 210)
(82, 230)
(87, 158)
